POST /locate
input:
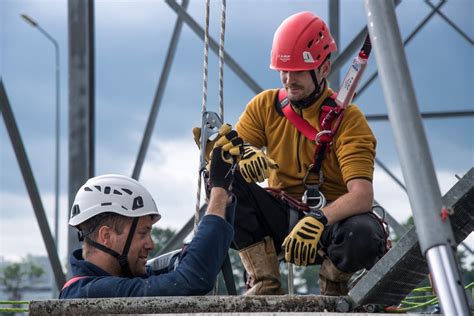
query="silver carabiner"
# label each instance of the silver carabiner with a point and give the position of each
(321, 133)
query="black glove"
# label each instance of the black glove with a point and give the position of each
(225, 155)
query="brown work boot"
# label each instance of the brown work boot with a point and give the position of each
(261, 263)
(332, 281)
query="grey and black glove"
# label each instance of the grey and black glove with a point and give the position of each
(226, 153)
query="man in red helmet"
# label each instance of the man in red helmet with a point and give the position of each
(341, 235)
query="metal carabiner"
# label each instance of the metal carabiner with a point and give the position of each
(320, 134)
(308, 171)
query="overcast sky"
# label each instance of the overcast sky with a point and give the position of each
(131, 41)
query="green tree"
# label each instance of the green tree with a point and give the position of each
(160, 237)
(18, 277)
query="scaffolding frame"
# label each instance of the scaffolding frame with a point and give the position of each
(81, 106)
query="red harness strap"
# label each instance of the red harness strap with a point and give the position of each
(288, 199)
(323, 138)
(73, 280)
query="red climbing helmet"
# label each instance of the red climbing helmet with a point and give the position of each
(301, 42)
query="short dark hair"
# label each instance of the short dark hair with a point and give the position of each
(117, 222)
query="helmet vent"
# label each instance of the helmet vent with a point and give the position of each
(106, 204)
(127, 191)
(98, 188)
(310, 43)
(117, 192)
(88, 189)
(137, 203)
(75, 210)
(124, 208)
(326, 47)
(107, 190)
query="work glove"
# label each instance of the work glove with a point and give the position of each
(255, 165)
(223, 131)
(225, 155)
(300, 246)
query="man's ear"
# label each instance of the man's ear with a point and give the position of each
(105, 235)
(325, 68)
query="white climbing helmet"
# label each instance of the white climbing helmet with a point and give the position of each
(112, 193)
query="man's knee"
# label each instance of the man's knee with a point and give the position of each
(357, 242)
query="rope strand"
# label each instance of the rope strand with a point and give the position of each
(221, 62)
(204, 103)
(205, 84)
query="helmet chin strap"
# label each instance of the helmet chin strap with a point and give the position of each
(121, 258)
(306, 102)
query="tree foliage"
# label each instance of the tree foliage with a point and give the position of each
(18, 277)
(160, 237)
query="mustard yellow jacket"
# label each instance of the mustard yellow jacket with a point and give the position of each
(351, 155)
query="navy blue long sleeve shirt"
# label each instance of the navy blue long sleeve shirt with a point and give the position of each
(195, 275)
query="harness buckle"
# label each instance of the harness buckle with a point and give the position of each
(314, 198)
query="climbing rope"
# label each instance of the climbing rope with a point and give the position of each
(13, 309)
(221, 61)
(416, 302)
(204, 89)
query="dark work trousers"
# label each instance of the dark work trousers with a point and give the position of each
(352, 244)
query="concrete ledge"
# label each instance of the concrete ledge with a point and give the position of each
(189, 304)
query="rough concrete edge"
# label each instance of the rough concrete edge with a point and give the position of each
(195, 304)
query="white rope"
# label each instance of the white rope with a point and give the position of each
(205, 82)
(221, 61)
(204, 103)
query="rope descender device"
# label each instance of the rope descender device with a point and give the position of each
(210, 124)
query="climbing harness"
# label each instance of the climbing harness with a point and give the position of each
(332, 112)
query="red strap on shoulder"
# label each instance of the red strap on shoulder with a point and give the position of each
(73, 280)
(300, 123)
(328, 114)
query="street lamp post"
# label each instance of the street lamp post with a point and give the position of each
(33, 23)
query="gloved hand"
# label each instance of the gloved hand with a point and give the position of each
(223, 131)
(227, 152)
(255, 165)
(301, 244)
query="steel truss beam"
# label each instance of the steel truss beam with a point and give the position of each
(31, 186)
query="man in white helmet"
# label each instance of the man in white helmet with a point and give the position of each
(114, 215)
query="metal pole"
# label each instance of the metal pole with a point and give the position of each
(451, 23)
(405, 42)
(252, 84)
(81, 101)
(291, 283)
(33, 23)
(352, 48)
(158, 95)
(334, 79)
(434, 233)
(426, 115)
(31, 186)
